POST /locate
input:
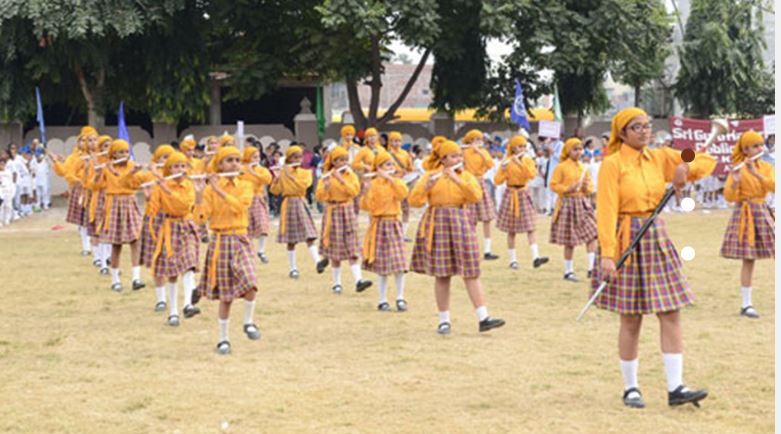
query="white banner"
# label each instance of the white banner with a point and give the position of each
(551, 129)
(769, 124)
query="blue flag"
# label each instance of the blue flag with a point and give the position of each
(39, 116)
(122, 128)
(518, 112)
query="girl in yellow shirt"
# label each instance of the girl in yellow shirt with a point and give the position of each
(403, 166)
(97, 200)
(383, 245)
(259, 177)
(295, 220)
(122, 220)
(573, 221)
(176, 249)
(477, 161)
(229, 272)
(516, 212)
(339, 235)
(632, 181)
(750, 234)
(446, 242)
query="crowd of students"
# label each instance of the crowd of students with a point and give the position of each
(24, 181)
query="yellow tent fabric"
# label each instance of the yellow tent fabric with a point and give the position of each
(410, 114)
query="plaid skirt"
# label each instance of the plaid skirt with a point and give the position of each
(575, 224)
(652, 282)
(147, 242)
(389, 255)
(184, 245)
(258, 218)
(507, 221)
(454, 250)
(92, 227)
(343, 238)
(485, 209)
(733, 247)
(235, 272)
(299, 224)
(76, 211)
(125, 221)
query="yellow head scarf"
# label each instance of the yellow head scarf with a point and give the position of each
(370, 132)
(248, 153)
(381, 157)
(747, 139)
(223, 153)
(394, 135)
(162, 151)
(175, 158)
(226, 139)
(438, 153)
(568, 145)
(103, 139)
(295, 149)
(348, 129)
(118, 145)
(337, 152)
(432, 163)
(187, 145)
(471, 135)
(516, 142)
(620, 121)
(87, 131)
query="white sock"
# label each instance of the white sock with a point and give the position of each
(513, 255)
(337, 273)
(673, 367)
(262, 244)
(568, 267)
(188, 284)
(96, 253)
(249, 311)
(399, 278)
(315, 255)
(223, 329)
(482, 313)
(383, 288)
(356, 270)
(137, 273)
(535, 251)
(487, 245)
(114, 275)
(85, 244)
(629, 372)
(291, 259)
(160, 291)
(444, 316)
(105, 254)
(591, 257)
(746, 290)
(172, 298)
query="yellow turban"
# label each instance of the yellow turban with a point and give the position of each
(162, 151)
(295, 149)
(118, 145)
(103, 139)
(187, 145)
(225, 139)
(432, 163)
(620, 121)
(516, 142)
(568, 145)
(381, 157)
(394, 135)
(348, 129)
(370, 132)
(471, 135)
(223, 153)
(746, 140)
(249, 151)
(437, 140)
(338, 152)
(175, 158)
(438, 153)
(87, 131)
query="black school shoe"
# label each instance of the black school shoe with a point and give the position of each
(636, 402)
(362, 284)
(490, 323)
(137, 284)
(490, 256)
(191, 311)
(196, 296)
(321, 265)
(682, 396)
(540, 261)
(571, 277)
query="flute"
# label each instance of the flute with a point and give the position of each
(341, 169)
(117, 161)
(286, 165)
(754, 158)
(438, 174)
(167, 178)
(514, 157)
(221, 175)
(373, 174)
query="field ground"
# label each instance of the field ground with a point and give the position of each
(79, 358)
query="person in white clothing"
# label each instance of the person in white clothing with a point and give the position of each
(24, 183)
(7, 192)
(42, 179)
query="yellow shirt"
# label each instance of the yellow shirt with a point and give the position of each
(384, 198)
(134, 180)
(633, 182)
(516, 174)
(179, 203)
(364, 157)
(445, 192)
(260, 181)
(475, 163)
(295, 187)
(404, 159)
(338, 192)
(197, 166)
(751, 188)
(67, 170)
(567, 173)
(230, 213)
(116, 185)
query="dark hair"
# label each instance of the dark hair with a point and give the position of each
(416, 149)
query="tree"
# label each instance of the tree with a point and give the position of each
(722, 71)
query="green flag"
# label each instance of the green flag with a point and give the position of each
(319, 113)
(556, 105)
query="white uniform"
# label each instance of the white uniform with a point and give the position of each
(7, 193)
(42, 181)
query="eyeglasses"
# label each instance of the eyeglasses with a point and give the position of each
(640, 127)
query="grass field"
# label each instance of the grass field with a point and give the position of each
(79, 358)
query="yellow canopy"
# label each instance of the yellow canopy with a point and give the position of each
(410, 114)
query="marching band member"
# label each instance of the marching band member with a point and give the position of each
(573, 221)
(97, 200)
(632, 182)
(446, 243)
(750, 234)
(259, 177)
(516, 212)
(477, 161)
(404, 166)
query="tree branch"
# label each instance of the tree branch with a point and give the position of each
(388, 115)
(376, 83)
(355, 103)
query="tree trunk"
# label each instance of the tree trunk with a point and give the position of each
(376, 82)
(93, 117)
(638, 98)
(355, 103)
